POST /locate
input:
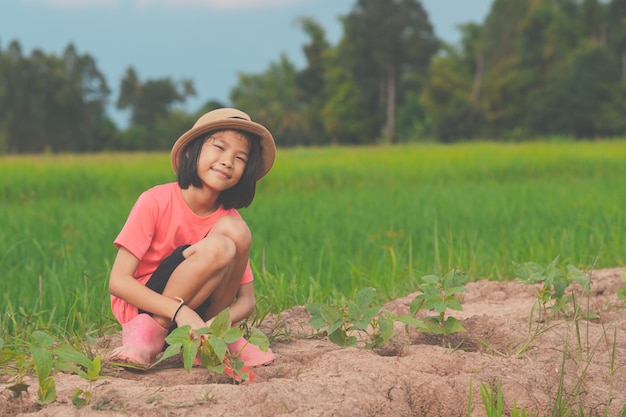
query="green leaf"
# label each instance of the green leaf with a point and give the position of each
(418, 324)
(66, 351)
(317, 322)
(65, 365)
(440, 306)
(190, 350)
(454, 304)
(330, 314)
(354, 311)
(43, 362)
(364, 297)
(370, 313)
(95, 368)
(579, 276)
(180, 335)
(417, 304)
(218, 369)
(81, 398)
(219, 347)
(340, 338)
(47, 392)
(452, 325)
(221, 323)
(408, 320)
(18, 389)
(233, 334)
(43, 339)
(455, 290)
(332, 327)
(172, 350)
(259, 339)
(385, 325)
(314, 309)
(432, 325)
(430, 279)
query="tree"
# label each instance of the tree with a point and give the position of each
(152, 99)
(274, 99)
(452, 94)
(383, 41)
(50, 103)
(617, 27)
(311, 83)
(500, 32)
(85, 92)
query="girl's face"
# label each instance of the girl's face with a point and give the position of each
(222, 160)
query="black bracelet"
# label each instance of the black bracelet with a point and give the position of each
(182, 303)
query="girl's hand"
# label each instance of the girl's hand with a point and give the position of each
(187, 316)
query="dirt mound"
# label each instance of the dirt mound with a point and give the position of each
(570, 364)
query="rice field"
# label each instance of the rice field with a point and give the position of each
(326, 222)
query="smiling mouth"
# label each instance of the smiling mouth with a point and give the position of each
(224, 174)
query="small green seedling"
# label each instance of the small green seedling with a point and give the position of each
(81, 398)
(212, 344)
(438, 295)
(47, 356)
(41, 351)
(554, 280)
(359, 316)
(69, 359)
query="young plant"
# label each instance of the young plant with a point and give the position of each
(360, 316)
(212, 345)
(42, 358)
(554, 280)
(48, 356)
(438, 295)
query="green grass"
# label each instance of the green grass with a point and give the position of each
(326, 222)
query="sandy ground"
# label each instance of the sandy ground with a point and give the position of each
(414, 375)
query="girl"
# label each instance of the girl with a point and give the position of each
(183, 253)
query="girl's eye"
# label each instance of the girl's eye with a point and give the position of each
(242, 159)
(219, 147)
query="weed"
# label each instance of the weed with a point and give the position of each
(554, 280)
(552, 300)
(493, 402)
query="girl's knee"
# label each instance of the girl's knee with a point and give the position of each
(216, 250)
(235, 229)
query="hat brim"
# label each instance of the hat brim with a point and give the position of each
(267, 140)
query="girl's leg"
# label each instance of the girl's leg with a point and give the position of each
(212, 268)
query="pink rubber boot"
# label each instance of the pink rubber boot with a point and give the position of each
(250, 354)
(142, 340)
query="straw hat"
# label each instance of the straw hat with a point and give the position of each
(227, 118)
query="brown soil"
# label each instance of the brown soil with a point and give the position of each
(415, 375)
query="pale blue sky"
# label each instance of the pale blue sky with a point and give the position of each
(209, 41)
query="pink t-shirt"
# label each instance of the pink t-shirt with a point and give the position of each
(159, 222)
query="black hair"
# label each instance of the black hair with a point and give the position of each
(238, 196)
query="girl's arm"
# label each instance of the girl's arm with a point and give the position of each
(123, 284)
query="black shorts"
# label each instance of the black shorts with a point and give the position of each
(162, 274)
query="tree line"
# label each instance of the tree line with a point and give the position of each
(533, 68)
